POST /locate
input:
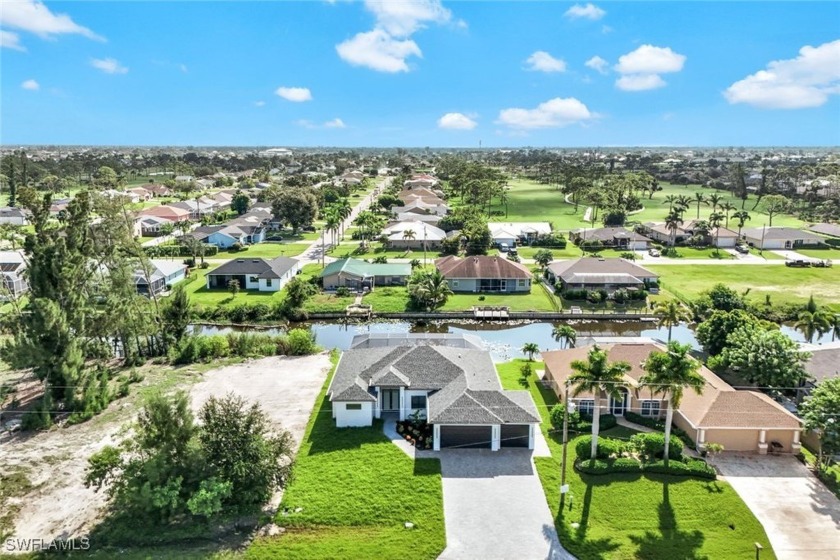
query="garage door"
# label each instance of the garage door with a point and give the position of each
(515, 435)
(465, 437)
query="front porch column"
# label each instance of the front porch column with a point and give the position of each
(531, 433)
(796, 446)
(377, 408)
(762, 442)
(436, 437)
(495, 437)
(701, 439)
(402, 403)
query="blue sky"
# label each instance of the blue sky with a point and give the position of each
(420, 73)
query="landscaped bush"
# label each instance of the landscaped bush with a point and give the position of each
(607, 448)
(574, 294)
(554, 240)
(598, 466)
(417, 433)
(301, 342)
(342, 291)
(156, 251)
(659, 425)
(690, 467)
(651, 446)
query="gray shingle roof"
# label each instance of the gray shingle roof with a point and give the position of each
(262, 268)
(581, 270)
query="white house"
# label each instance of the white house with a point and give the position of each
(781, 238)
(158, 276)
(262, 275)
(414, 235)
(448, 383)
(13, 216)
(517, 232)
(12, 266)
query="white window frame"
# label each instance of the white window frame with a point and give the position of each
(648, 406)
(353, 406)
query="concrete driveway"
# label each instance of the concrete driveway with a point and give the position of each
(495, 508)
(801, 517)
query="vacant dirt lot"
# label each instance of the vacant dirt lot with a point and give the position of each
(59, 505)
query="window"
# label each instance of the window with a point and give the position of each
(418, 401)
(650, 408)
(522, 283)
(454, 283)
(586, 406)
(254, 279)
(268, 282)
(353, 406)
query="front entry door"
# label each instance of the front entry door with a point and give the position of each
(618, 407)
(390, 400)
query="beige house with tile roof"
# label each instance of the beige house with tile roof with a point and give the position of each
(739, 420)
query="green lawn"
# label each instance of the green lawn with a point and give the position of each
(571, 251)
(647, 517)
(356, 490)
(266, 250)
(535, 300)
(529, 201)
(833, 254)
(707, 253)
(375, 249)
(783, 284)
(200, 295)
(388, 299)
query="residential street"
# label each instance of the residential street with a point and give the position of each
(800, 515)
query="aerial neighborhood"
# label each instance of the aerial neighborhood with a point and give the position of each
(489, 338)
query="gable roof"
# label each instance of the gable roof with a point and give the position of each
(609, 233)
(593, 270)
(826, 229)
(363, 269)
(480, 266)
(261, 268)
(824, 362)
(781, 232)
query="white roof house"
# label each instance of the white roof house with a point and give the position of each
(518, 230)
(422, 232)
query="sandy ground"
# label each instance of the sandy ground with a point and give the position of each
(59, 506)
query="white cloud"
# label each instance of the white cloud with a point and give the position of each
(183, 68)
(386, 47)
(797, 83)
(401, 19)
(335, 123)
(640, 69)
(541, 61)
(456, 121)
(648, 59)
(31, 85)
(259, 103)
(295, 94)
(589, 11)
(9, 40)
(33, 16)
(379, 51)
(640, 82)
(598, 64)
(108, 65)
(554, 113)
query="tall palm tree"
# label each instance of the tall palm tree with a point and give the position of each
(669, 313)
(566, 334)
(699, 199)
(671, 199)
(727, 208)
(503, 199)
(332, 223)
(715, 200)
(743, 217)
(344, 211)
(714, 221)
(530, 348)
(669, 374)
(430, 289)
(834, 323)
(813, 320)
(409, 235)
(672, 222)
(682, 204)
(596, 375)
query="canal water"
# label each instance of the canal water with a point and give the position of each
(503, 340)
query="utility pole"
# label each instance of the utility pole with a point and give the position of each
(567, 407)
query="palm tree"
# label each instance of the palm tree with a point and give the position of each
(834, 323)
(530, 348)
(430, 289)
(682, 204)
(670, 313)
(714, 221)
(503, 199)
(601, 378)
(344, 211)
(673, 221)
(566, 334)
(669, 374)
(670, 200)
(743, 217)
(715, 200)
(409, 234)
(332, 223)
(699, 199)
(727, 208)
(813, 320)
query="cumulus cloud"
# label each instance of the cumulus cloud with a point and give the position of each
(108, 65)
(379, 51)
(388, 45)
(295, 94)
(31, 85)
(541, 61)
(9, 40)
(554, 113)
(335, 123)
(641, 68)
(797, 83)
(588, 11)
(33, 16)
(598, 64)
(456, 121)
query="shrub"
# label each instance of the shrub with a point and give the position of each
(607, 447)
(575, 294)
(691, 467)
(236, 247)
(629, 255)
(599, 467)
(301, 342)
(342, 291)
(659, 425)
(594, 297)
(651, 446)
(621, 295)
(583, 422)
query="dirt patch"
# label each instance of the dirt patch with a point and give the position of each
(59, 505)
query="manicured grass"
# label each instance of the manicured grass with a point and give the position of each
(289, 237)
(529, 201)
(375, 249)
(200, 295)
(632, 516)
(707, 253)
(767, 255)
(783, 284)
(833, 254)
(266, 250)
(535, 300)
(356, 490)
(571, 251)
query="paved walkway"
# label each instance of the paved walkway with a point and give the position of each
(799, 514)
(493, 503)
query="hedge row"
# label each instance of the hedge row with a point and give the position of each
(609, 457)
(598, 466)
(690, 467)
(656, 424)
(687, 467)
(579, 422)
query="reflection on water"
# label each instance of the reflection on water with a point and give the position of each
(503, 340)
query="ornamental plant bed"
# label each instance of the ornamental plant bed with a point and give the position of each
(418, 434)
